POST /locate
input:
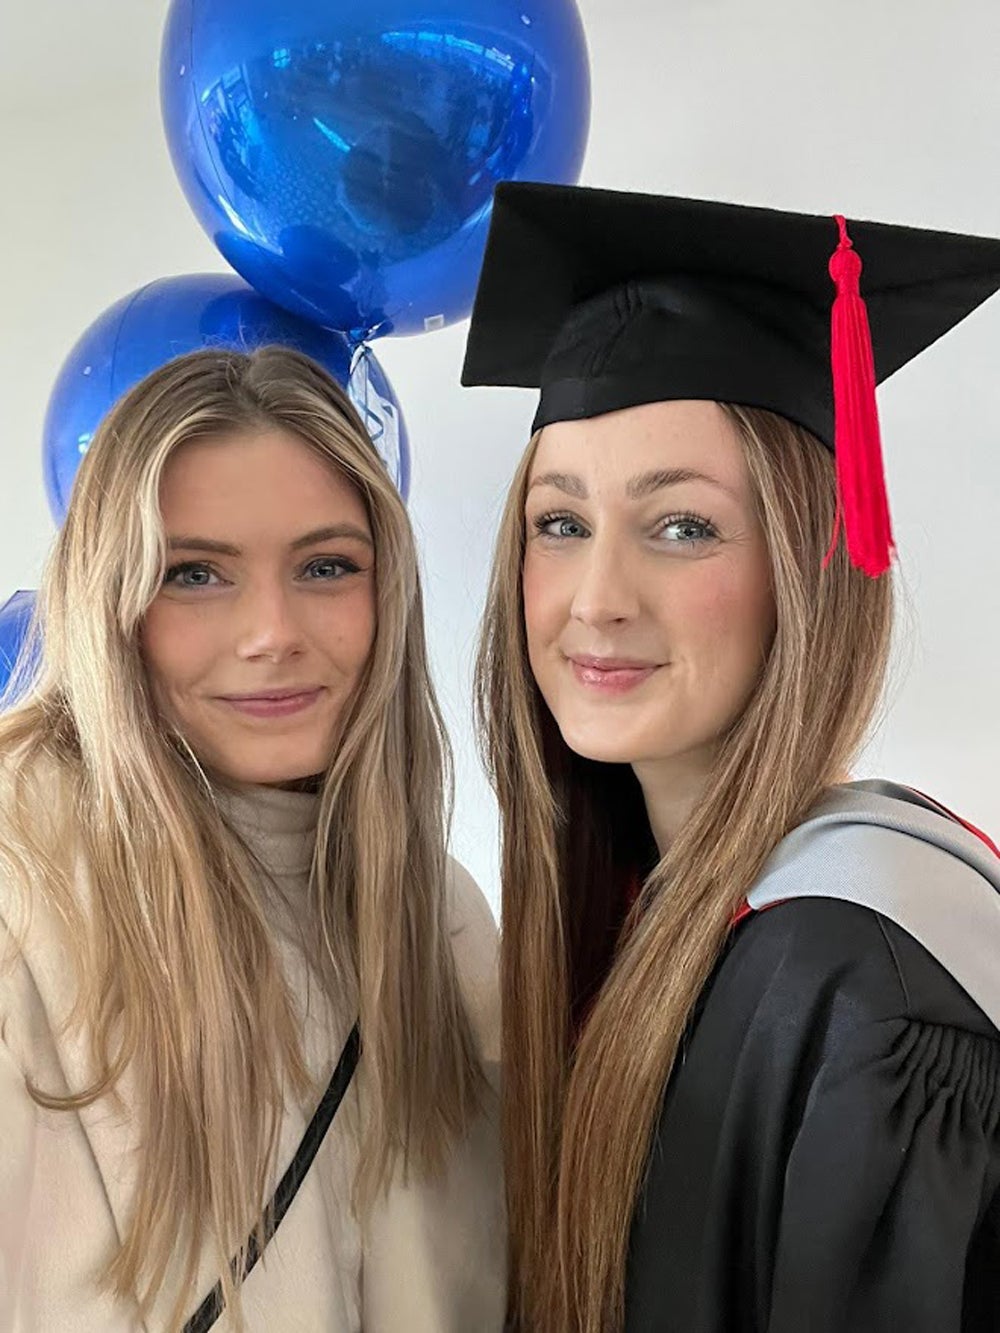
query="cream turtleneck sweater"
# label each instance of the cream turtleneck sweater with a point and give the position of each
(432, 1260)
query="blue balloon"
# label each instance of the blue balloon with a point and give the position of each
(15, 617)
(171, 316)
(342, 154)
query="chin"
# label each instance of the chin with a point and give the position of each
(610, 740)
(603, 746)
(269, 771)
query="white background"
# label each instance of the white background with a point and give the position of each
(886, 109)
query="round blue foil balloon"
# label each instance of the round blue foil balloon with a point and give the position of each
(15, 617)
(342, 155)
(171, 316)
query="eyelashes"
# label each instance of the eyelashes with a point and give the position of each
(185, 567)
(345, 566)
(544, 521)
(691, 528)
(705, 530)
(171, 577)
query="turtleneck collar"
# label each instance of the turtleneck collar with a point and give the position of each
(279, 825)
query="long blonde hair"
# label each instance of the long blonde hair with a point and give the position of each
(179, 979)
(578, 1123)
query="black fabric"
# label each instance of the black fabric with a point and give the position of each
(212, 1306)
(827, 1159)
(606, 299)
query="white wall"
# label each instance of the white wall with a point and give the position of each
(887, 109)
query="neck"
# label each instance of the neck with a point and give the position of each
(277, 823)
(671, 788)
(310, 784)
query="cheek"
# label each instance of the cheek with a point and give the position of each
(173, 645)
(349, 635)
(732, 620)
(546, 595)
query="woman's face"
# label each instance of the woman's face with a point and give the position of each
(270, 588)
(647, 595)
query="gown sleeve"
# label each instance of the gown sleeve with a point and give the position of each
(887, 1192)
(827, 1158)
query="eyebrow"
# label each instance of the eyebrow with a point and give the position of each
(636, 488)
(331, 533)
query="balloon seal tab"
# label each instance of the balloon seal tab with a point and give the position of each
(378, 415)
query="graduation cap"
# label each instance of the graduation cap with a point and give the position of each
(604, 299)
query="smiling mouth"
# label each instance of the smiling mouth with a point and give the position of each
(611, 675)
(612, 663)
(282, 705)
(293, 693)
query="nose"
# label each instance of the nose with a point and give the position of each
(606, 593)
(268, 626)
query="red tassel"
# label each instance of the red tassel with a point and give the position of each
(862, 503)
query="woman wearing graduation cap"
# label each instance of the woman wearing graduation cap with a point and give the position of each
(751, 1008)
(223, 885)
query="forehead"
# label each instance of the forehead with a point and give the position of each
(610, 449)
(255, 481)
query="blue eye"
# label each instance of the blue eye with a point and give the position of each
(337, 563)
(177, 574)
(687, 529)
(188, 567)
(559, 526)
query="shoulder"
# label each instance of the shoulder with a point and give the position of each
(38, 823)
(34, 783)
(830, 952)
(870, 875)
(38, 929)
(818, 1000)
(467, 905)
(475, 947)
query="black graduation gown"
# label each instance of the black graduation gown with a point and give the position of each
(827, 1158)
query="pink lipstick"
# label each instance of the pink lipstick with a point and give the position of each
(611, 675)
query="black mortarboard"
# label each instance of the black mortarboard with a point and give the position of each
(604, 300)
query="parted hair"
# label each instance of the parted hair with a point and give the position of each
(578, 1117)
(179, 979)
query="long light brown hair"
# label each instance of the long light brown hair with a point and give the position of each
(179, 979)
(578, 1123)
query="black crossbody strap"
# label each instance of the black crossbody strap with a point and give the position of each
(212, 1306)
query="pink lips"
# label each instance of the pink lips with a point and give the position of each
(611, 675)
(280, 704)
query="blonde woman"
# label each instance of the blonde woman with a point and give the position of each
(222, 833)
(751, 1008)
